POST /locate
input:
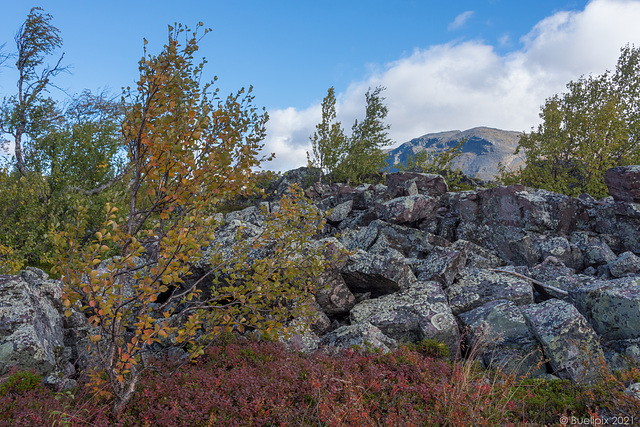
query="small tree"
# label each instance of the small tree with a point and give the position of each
(64, 153)
(364, 156)
(188, 151)
(328, 142)
(29, 113)
(589, 129)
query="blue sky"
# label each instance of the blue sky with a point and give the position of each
(446, 65)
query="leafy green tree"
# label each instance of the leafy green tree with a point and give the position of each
(364, 155)
(189, 150)
(589, 129)
(64, 154)
(28, 114)
(328, 142)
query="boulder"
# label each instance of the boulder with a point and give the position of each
(476, 287)
(378, 274)
(408, 209)
(31, 329)
(595, 250)
(612, 307)
(362, 335)
(340, 212)
(568, 341)
(497, 333)
(623, 183)
(561, 249)
(627, 264)
(334, 297)
(442, 265)
(416, 313)
(401, 184)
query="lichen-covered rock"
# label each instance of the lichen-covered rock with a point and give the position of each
(595, 250)
(301, 337)
(31, 329)
(612, 307)
(400, 183)
(380, 275)
(442, 265)
(560, 248)
(568, 341)
(334, 297)
(623, 183)
(476, 287)
(411, 242)
(407, 209)
(495, 217)
(498, 333)
(627, 264)
(414, 314)
(340, 212)
(362, 335)
(477, 256)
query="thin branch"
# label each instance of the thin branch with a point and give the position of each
(544, 286)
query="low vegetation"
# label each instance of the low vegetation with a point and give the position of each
(250, 382)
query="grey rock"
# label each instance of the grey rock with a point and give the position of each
(31, 329)
(407, 209)
(627, 264)
(595, 250)
(416, 313)
(559, 247)
(334, 297)
(380, 275)
(340, 212)
(567, 340)
(497, 333)
(442, 265)
(476, 287)
(363, 335)
(612, 307)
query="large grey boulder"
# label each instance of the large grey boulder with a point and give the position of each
(497, 333)
(378, 274)
(595, 250)
(612, 307)
(442, 265)
(476, 287)
(362, 335)
(408, 209)
(627, 264)
(31, 329)
(416, 313)
(568, 341)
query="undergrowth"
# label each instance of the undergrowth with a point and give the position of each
(245, 382)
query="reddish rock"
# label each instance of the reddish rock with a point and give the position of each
(624, 183)
(426, 183)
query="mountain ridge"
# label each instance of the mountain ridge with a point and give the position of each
(484, 149)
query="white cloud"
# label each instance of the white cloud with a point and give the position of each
(460, 20)
(468, 84)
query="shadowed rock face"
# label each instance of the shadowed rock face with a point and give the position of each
(484, 149)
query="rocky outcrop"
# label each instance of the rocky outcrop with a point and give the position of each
(525, 280)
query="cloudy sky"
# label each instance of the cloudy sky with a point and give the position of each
(446, 65)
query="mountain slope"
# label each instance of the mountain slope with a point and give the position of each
(484, 149)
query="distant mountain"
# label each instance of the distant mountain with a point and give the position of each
(485, 147)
